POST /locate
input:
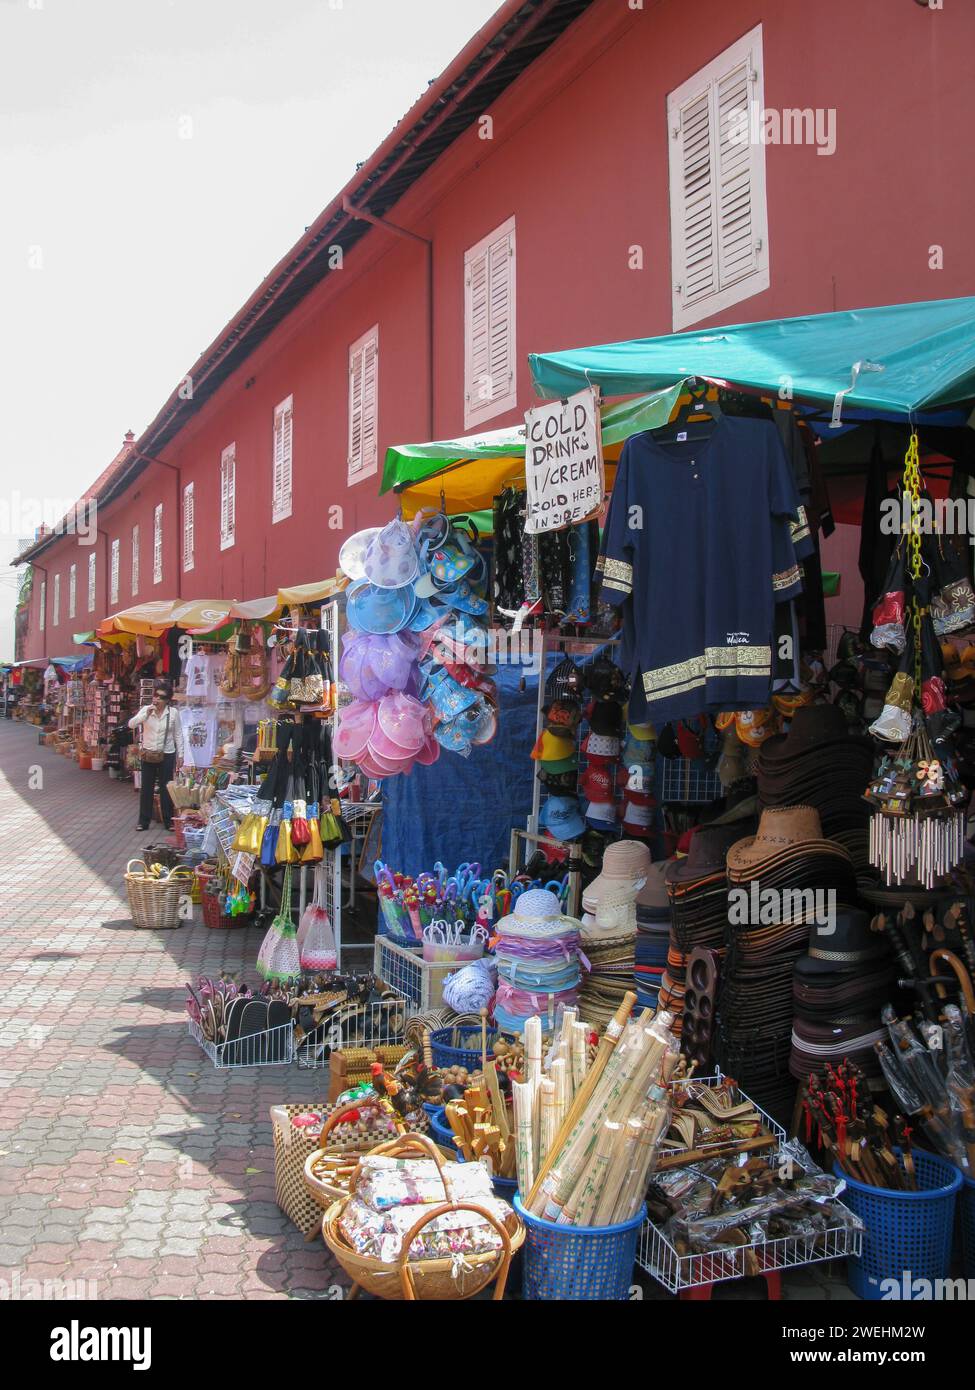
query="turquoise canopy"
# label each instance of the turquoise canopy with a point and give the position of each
(925, 352)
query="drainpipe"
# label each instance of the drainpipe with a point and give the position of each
(350, 208)
(44, 630)
(148, 458)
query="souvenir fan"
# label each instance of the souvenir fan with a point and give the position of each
(278, 958)
(919, 827)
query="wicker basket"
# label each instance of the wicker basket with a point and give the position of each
(154, 902)
(292, 1148)
(424, 1279)
(338, 1159)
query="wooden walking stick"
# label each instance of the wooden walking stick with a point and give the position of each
(611, 1036)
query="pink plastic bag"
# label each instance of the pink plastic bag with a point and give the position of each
(316, 939)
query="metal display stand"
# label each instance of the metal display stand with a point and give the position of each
(523, 838)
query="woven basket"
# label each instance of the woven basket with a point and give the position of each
(424, 1279)
(154, 902)
(292, 1149)
(328, 1158)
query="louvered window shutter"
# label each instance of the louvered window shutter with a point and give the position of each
(490, 385)
(56, 615)
(228, 501)
(43, 622)
(135, 560)
(281, 482)
(113, 573)
(719, 231)
(91, 582)
(72, 589)
(188, 527)
(364, 406)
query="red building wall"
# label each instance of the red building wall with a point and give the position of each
(579, 155)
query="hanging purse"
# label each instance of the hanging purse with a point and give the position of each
(281, 692)
(269, 840)
(300, 834)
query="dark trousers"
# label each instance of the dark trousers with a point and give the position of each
(151, 773)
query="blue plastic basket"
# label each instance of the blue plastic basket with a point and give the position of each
(594, 1263)
(446, 1053)
(907, 1235)
(966, 1211)
(444, 1136)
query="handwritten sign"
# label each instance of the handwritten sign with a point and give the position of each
(564, 474)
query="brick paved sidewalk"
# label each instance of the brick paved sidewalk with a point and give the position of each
(125, 1158)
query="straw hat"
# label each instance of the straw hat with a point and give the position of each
(627, 861)
(537, 912)
(783, 832)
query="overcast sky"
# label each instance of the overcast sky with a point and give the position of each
(157, 158)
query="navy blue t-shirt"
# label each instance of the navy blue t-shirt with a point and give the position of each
(698, 547)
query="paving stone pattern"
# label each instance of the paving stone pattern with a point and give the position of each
(127, 1161)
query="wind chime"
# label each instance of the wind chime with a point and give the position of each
(918, 830)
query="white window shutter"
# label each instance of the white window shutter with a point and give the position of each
(490, 364)
(92, 565)
(157, 544)
(114, 571)
(188, 528)
(56, 615)
(363, 456)
(281, 482)
(228, 500)
(718, 217)
(72, 589)
(43, 615)
(135, 560)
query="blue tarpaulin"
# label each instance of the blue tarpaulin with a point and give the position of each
(465, 808)
(925, 354)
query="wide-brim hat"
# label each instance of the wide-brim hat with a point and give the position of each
(627, 861)
(737, 808)
(707, 853)
(844, 944)
(353, 552)
(815, 731)
(371, 609)
(781, 830)
(536, 913)
(391, 559)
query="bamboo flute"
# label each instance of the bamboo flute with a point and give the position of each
(653, 1127)
(560, 1074)
(578, 1054)
(612, 1035)
(522, 1093)
(616, 1174)
(580, 1206)
(606, 1104)
(547, 1125)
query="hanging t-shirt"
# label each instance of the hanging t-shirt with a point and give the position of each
(199, 734)
(698, 545)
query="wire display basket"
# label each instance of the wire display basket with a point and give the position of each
(689, 781)
(381, 1023)
(273, 1048)
(661, 1260)
(406, 972)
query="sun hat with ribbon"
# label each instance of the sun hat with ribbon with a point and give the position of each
(537, 913)
(377, 610)
(627, 861)
(353, 552)
(391, 558)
